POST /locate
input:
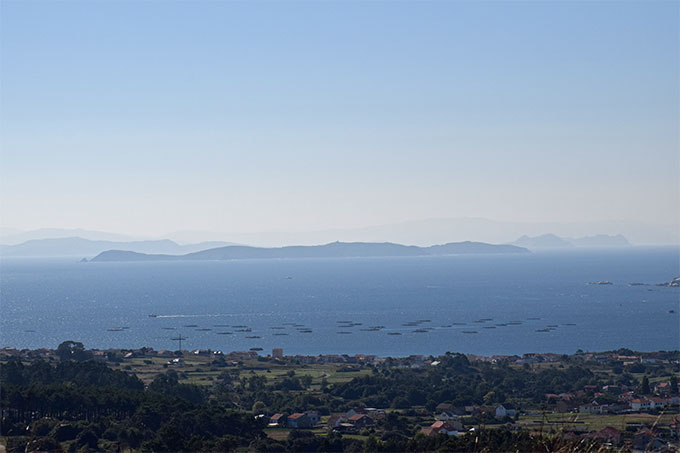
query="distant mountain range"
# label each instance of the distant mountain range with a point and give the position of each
(10, 236)
(441, 230)
(84, 247)
(417, 232)
(551, 241)
(80, 247)
(332, 250)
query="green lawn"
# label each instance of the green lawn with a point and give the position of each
(591, 422)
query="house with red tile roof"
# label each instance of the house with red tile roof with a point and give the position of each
(441, 427)
(277, 420)
(608, 434)
(299, 420)
(360, 420)
(645, 404)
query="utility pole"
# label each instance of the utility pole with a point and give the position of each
(179, 338)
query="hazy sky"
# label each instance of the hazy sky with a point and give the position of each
(149, 117)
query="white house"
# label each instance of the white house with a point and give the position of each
(644, 404)
(592, 408)
(446, 416)
(505, 411)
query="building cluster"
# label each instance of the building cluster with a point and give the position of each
(657, 357)
(351, 421)
(637, 438)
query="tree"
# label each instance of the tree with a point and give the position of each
(644, 387)
(73, 350)
(259, 407)
(674, 384)
(87, 437)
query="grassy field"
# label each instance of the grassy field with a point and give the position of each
(199, 370)
(590, 422)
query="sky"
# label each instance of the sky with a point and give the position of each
(150, 117)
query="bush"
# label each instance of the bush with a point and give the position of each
(42, 427)
(87, 438)
(16, 444)
(65, 431)
(43, 444)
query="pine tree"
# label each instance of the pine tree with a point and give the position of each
(644, 387)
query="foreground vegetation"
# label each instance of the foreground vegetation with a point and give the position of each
(137, 401)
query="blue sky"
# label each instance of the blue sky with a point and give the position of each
(150, 117)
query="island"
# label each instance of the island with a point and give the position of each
(332, 250)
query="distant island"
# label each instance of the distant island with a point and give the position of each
(332, 250)
(551, 241)
(78, 246)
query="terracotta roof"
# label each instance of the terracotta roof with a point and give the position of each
(356, 417)
(296, 415)
(442, 425)
(607, 433)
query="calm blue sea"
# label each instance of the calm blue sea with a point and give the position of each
(542, 302)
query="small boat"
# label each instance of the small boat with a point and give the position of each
(542, 330)
(554, 326)
(244, 330)
(489, 327)
(252, 336)
(224, 333)
(29, 331)
(393, 333)
(203, 330)
(570, 324)
(255, 349)
(169, 328)
(279, 333)
(470, 331)
(196, 325)
(458, 323)
(115, 329)
(343, 332)
(534, 319)
(219, 325)
(239, 327)
(305, 331)
(671, 311)
(421, 331)
(153, 316)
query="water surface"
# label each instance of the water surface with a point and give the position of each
(486, 304)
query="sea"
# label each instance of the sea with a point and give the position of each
(478, 304)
